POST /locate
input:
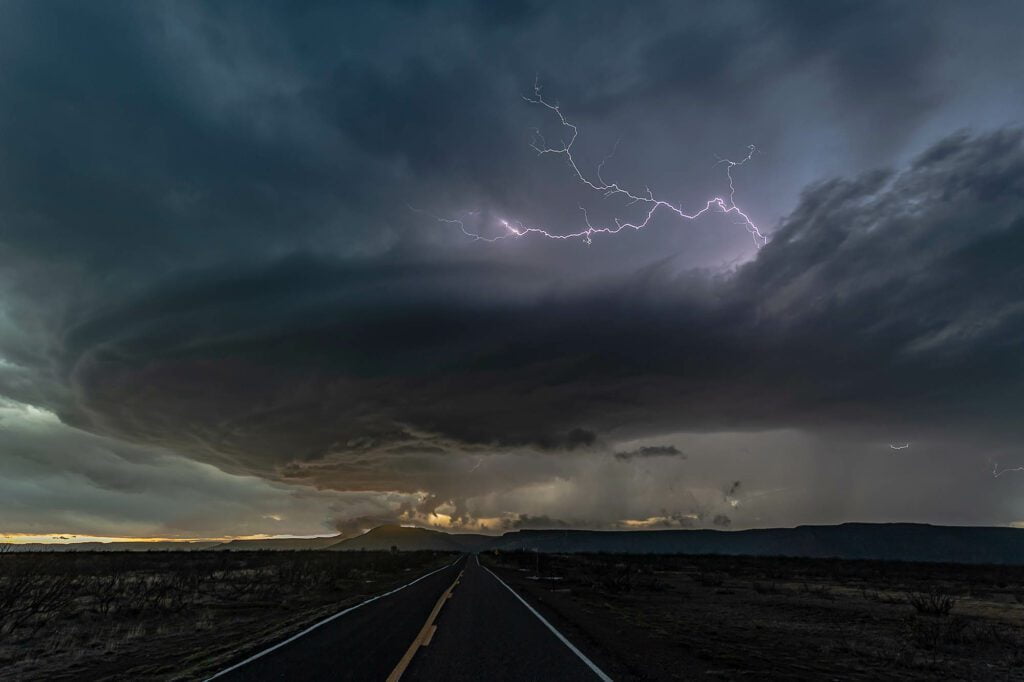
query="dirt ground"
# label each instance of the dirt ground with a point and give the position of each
(174, 615)
(751, 618)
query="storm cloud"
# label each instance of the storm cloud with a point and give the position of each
(892, 292)
(218, 245)
(651, 451)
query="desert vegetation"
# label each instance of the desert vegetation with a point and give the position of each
(167, 615)
(685, 617)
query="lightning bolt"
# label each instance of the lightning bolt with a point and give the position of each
(899, 447)
(652, 204)
(996, 473)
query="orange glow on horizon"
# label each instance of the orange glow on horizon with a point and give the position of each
(67, 538)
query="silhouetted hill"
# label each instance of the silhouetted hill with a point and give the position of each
(887, 541)
(279, 543)
(884, 541)
(412, 539)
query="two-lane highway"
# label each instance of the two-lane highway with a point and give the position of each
(362, 643)
(486, 632)
(458, 623)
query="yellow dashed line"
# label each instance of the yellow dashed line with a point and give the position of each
(426, 634)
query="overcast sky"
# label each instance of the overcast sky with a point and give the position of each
(233, 299)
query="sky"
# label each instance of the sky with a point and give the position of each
(239, 293)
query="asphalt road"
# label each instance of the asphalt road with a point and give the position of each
(363, 644)
(483, 632)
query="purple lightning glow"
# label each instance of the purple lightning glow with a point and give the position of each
(515, 228)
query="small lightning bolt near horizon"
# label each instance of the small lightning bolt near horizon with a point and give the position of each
(515, 228)
(899, 447)
(996, 473)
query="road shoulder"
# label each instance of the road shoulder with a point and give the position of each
(594, 637)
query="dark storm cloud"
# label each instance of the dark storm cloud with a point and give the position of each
(543, 522)
(651, 451)
(877, 50)
(185, 134)
(208, 246)
(888, 300)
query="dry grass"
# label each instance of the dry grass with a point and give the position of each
(137, 615)
(758, 618)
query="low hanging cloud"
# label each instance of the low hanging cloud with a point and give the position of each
(201, 365)
(651, 451)
(542, 522)
(116, 489)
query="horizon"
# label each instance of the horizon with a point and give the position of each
(54, 539)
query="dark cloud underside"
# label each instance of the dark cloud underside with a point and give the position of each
(889, 301)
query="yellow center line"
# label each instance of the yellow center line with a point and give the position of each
(426, 634)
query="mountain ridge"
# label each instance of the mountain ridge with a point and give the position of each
(852, 540)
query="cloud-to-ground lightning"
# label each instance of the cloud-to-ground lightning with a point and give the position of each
(596, 182)
(996, 472)
(894, 446)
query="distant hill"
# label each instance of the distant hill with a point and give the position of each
(412, 539)
(279, 543)
(886, 541)
(883, 541)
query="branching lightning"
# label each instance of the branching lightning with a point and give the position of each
(597, 182)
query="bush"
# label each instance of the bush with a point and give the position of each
(931, 602)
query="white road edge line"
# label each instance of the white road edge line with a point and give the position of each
(590, 664)
(327, 620)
